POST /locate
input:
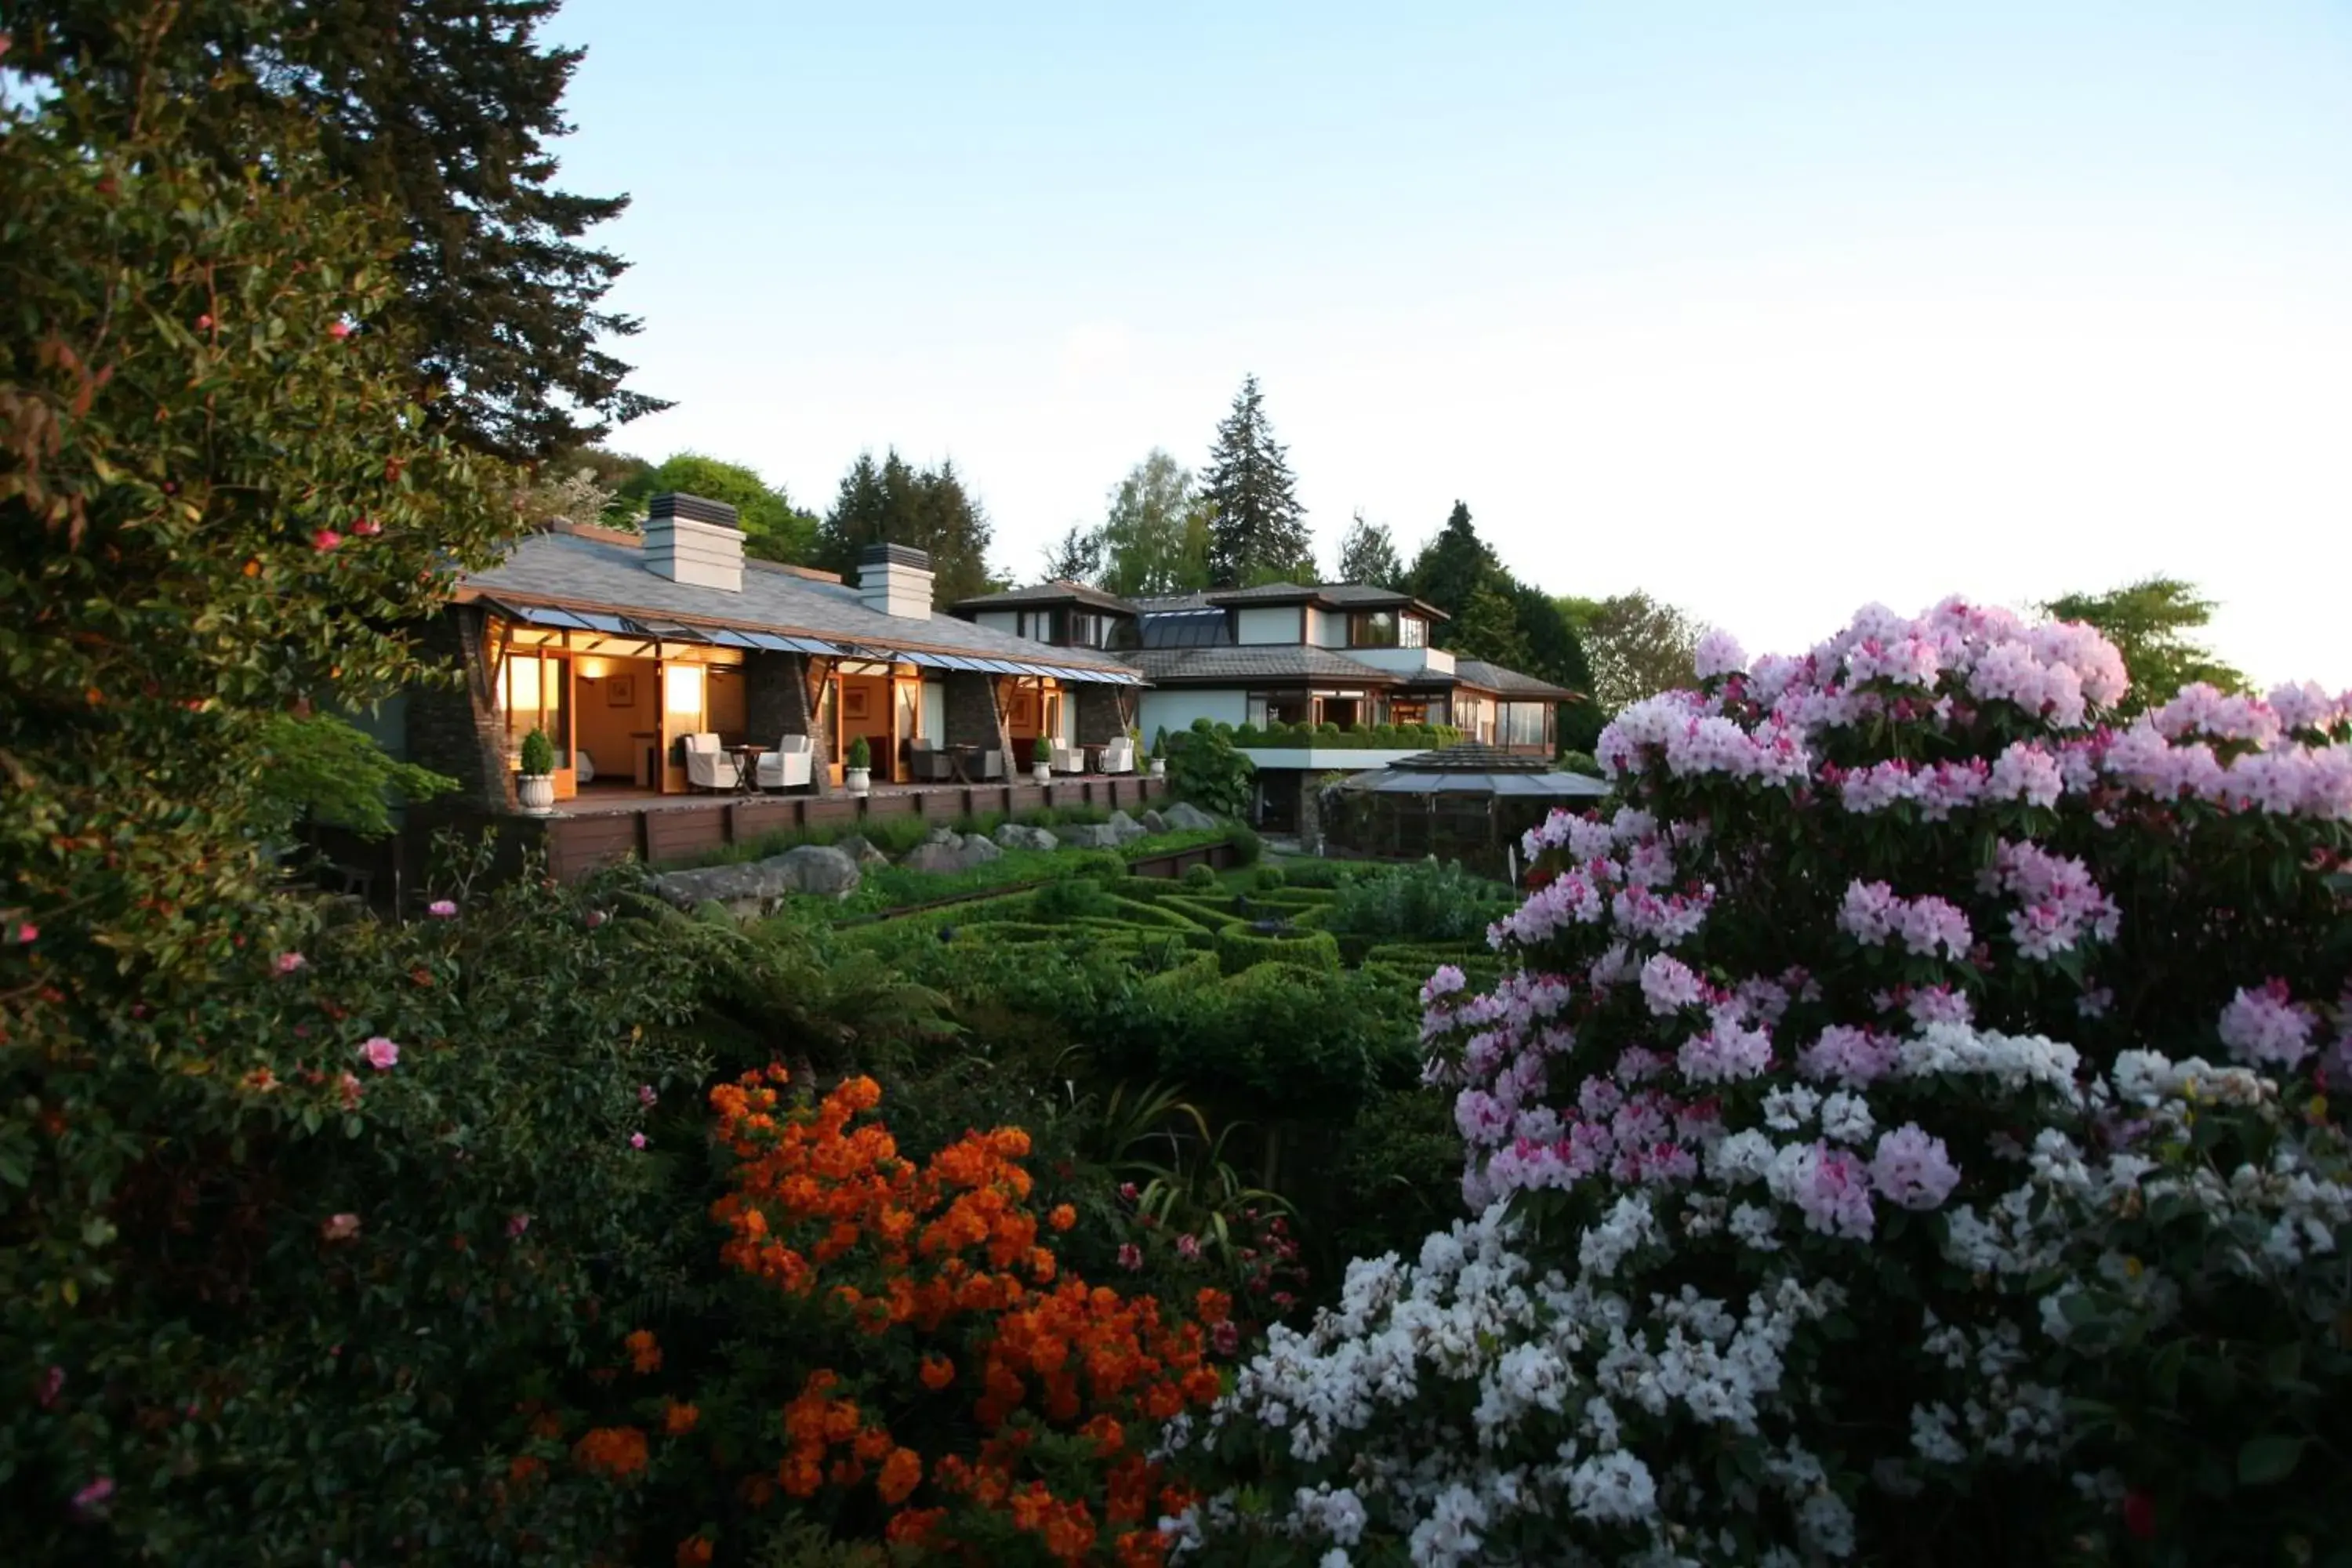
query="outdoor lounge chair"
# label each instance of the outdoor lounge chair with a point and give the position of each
(1068, 759)
(1118, 756)
(707, 767)
(991, 764)
(926, 764)
(791, 763)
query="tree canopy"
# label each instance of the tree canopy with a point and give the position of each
(1156, 537)
(773, 528)
(1259, 530)
(1637, 645)
(893, 501)
(1452, 566)
(2150, 622)
(439, 113)
(1368, 555)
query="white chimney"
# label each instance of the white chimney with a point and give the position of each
(895, 579)
(690, 540)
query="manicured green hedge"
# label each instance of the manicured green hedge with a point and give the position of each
(1241, 948)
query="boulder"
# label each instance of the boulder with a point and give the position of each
(756, 887)
(1186, 818)
(936, 858)
(1153, 822)
(1128, 829)
(942, 835)
(1014, 836)
(977, 851)
(867, 856)
(1090, 836)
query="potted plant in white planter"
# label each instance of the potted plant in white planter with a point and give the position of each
(1160, 752)
(1041, 762)
(858, 776)
(535, 788)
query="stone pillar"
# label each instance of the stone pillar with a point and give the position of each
(1310, 812)
(976, 714)
(1099, 720)
(775, 696)
(814, 675)
(454, 726)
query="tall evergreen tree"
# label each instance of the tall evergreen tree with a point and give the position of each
(1368, 555)
(1156, 538)
(895, 502)
(1488, 628)
(442, 111)
(1075, 557)
(1452, 565)
(1259, 529)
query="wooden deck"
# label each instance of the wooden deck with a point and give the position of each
(603, 824)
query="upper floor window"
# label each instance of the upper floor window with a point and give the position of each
(1372, 628)
(1086, 629)
(1411, 632)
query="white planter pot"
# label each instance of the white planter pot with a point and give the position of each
(1160, 767)
(1043, 772)
(857, 781)
(535, 791)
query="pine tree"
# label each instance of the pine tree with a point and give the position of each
(440, 112)
(1367, 555)
(1452, 566)
(897, 503)
(1259, 530)
(1075, 557)
(1488, 628)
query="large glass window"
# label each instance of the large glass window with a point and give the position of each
(531, 689)
(1411, 632)
(1524, 723)
(1372, 628)
(1267, 708)
(1085, 630)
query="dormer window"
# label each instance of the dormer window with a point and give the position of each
(1372, 628)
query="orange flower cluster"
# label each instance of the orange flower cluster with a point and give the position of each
(947, 1253)
(617, 1452)
(644, 1353)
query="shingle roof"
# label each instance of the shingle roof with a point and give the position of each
(574, 570)
(1505, 682)
(1338, 596)
(1234, 666)
(1055, 593)
(1471, 757)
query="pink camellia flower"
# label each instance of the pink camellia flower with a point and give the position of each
(646, 1095)
(340, 1228)
(637, 1140)
(350, 1085)
(381, 1054)
(442, 909)
(53, 1382)
(340, 331)
(288, 963)
(325, 539)
(1226, 1337)
(1127, 1191)
(1188, 1247)
(203, 323)
(1130, 1257)
(94, 1494)
(366, 528)
(518, 1223)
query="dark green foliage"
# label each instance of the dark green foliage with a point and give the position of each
(1257, 529)
(1269, 878)
(442, 116)
(1488, 628)
(319, 769)
(1067, 898)
(1422, 902)
(1202, 876)
(1367, 555)
(1204, 768)
(1583, 763)
(773, 528)
(860, 756)
(1400, 1166)
(537, 757)
(1247, 844)
(1239, 946)
(894, 502)
(1453, 564)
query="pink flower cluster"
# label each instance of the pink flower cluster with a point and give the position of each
(2060, 904)
(2267, 1026)
(1871, 913)
(2201, 709)
(1849, 1056)
(1913, 1168)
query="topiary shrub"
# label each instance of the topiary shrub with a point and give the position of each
(1239, 946)
(1245, 842)
(1907, 1142)
(1199, 876)
(537, 757)
(860, 754)
(1426, 901)
(1269, 878)
(1583, 763)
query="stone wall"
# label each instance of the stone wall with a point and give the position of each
(775, 696)
(1098, 717)
(452, 728)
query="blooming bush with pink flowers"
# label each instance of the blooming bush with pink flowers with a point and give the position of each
(1903, 1134)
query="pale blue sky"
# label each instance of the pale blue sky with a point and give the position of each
(1772, 309)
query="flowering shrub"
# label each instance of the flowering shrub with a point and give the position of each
(1854, 1174)
(996, 1404)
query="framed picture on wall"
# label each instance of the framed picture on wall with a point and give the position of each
(1020, 713)
(620, 692)
(853, 702)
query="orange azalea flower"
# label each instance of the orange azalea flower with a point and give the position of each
(617, 1452)
(694, 1551)
(900, 1474)
(936, 1372)
(913, 1526)
(644, 1354)
(1063, 1216)
(677, 1419)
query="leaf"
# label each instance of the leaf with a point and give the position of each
(2268, 1459)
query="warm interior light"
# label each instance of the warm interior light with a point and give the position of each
(682, 690)
(592, 668)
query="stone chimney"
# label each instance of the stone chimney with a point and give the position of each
(690, 540)
(895, 579)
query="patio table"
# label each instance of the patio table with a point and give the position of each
(961, 760)
(747, 768)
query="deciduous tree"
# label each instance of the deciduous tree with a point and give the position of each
(1368, 555)
(773, 528)
(1638, 645)
(1156, 538)
(2150, 623)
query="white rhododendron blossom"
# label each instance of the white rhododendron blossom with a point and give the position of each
(1847, 1113)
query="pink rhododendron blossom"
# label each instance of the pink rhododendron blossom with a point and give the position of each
(1668, 985)
(442, 909)
(380, 1053)
(646, 1095)
(1719, 653)
(1847, 1055)
(2267, 1026)
(2025, 772)
(2308, 707)
(93, 1495)
(1913, 1168)
(2201, 709)
(1725, 1053)
(28, 933)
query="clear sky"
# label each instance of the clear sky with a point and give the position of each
(1770, 309)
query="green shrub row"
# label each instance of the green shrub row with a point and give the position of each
(1352, 737)
(1240, 948)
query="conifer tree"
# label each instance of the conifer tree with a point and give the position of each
(1451, 566)
(1259, 530)
(894, 502)
(1367, 555)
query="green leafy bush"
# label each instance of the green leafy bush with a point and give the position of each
(1269, 878)
(1206, 770)
(1239, 947)
(1200, 875)
(1583, 763)
(1423, 903)
(1247, 844)
(860, 756)
(322, 770)
(538, 755)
